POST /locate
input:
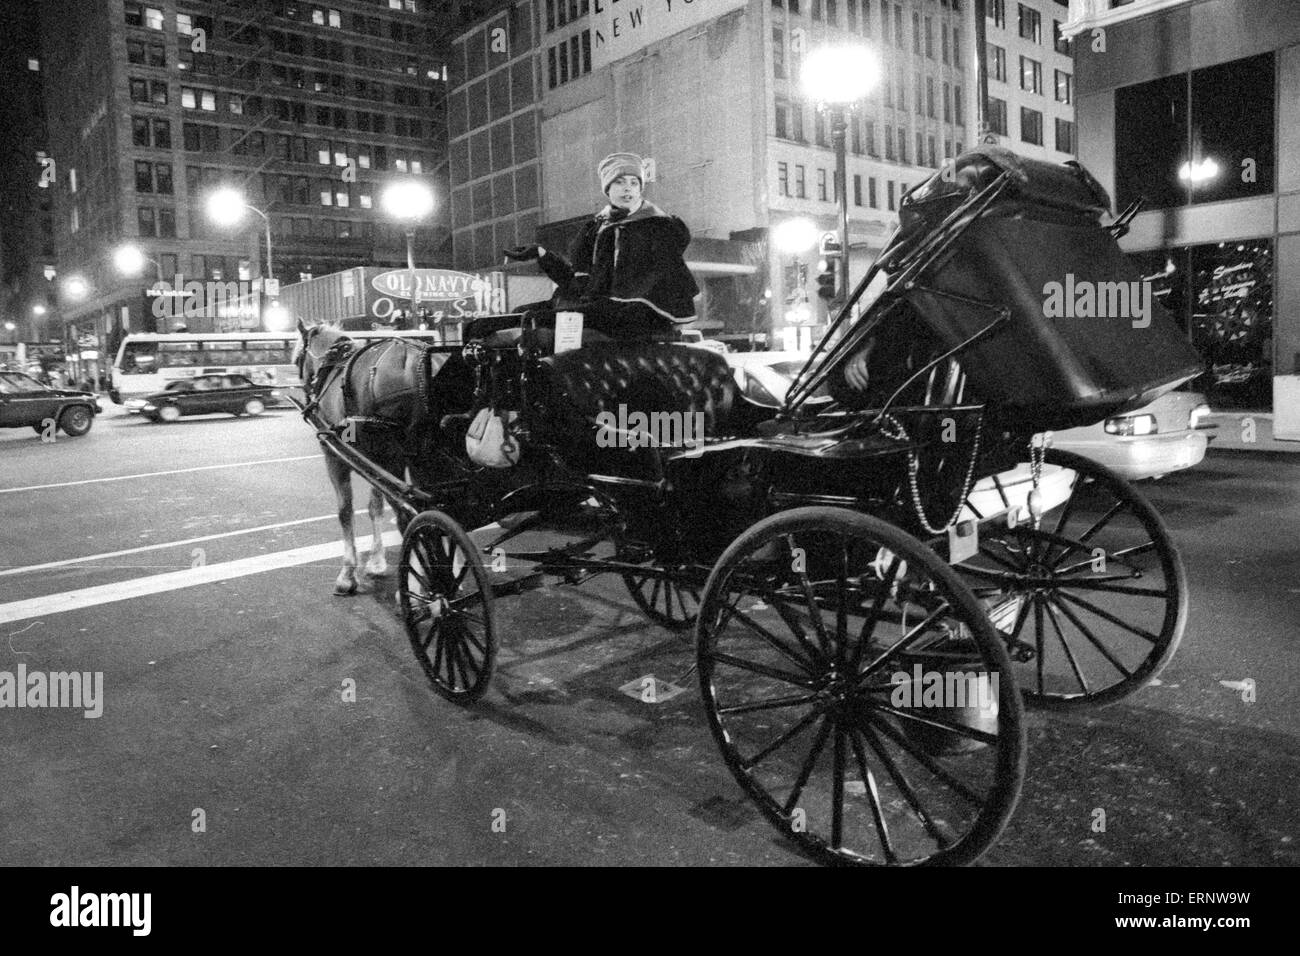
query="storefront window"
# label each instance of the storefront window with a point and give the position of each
(1232, 130)
(1150, 142)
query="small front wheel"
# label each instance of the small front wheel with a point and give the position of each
(76, 421)
(446, 604)
(254, 406)
(169, 413)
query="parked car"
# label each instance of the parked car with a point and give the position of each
(26, 402)
(1166, 436)
(696, 338)
(205, 395)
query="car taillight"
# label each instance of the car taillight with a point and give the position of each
(1131, 425)
(1198, 415)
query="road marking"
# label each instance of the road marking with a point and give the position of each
(157, 474)
(176, 580)
(163, 546)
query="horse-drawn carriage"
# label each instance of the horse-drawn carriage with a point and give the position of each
(877, 584)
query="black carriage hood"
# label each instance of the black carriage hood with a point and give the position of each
(1069, 188)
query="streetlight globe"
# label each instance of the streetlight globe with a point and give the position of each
(129, 260)
(75, 287)
(840, 74)
(277, 318)
(226, 206)
(407, 199)
(9, 326)
(38, 310)
(793, 236)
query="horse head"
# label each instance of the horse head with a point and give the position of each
(319, 348)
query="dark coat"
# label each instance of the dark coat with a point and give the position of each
(635, 261)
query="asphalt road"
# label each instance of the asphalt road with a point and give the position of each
(227, 696)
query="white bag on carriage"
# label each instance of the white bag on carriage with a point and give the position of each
(488, 441)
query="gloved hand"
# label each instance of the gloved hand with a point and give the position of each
(524, 253)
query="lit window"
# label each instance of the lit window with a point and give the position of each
(209, 101)
(75, 222)
(318, 17)
(394, 4)
(363, 160)
(336, 19)
(341, 198)
(323, 155)
(34, 64)
(236, 104)
(326, 197)
(189, 98)
(153, 18)
(72, 179)
(50, 272)
(340, 158)
(400, 165)
(365, 200)
(184, 24)
(417, 166)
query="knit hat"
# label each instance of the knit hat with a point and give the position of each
(619, 164)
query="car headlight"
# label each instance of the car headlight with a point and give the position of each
(1198, 415)
(148, 408)
(275, 393)
(135, 403)
(1131, 425)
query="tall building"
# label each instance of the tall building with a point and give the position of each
(26, 193)
(1030, 77)
(711, 96)
(1194, 105)
(305, 108)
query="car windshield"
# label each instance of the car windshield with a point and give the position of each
(14, 383)
(180, 387)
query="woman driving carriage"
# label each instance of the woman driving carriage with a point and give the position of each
(626, 273)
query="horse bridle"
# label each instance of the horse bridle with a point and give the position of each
(329, 362)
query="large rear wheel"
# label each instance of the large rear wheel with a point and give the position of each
(858, 692)
(1092, 602)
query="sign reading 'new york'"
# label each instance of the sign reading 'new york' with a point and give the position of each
(621, 27)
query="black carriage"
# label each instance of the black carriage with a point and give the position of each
(878, 584)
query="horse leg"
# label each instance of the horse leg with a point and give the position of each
(341, 479)
(377, 561)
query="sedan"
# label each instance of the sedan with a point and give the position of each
(1165, 436)
(25, 402)
(205, 395)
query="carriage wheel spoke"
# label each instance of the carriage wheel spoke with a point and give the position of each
(1104, 520)
(1106, 615)
(1088, 584)
(1021, 616)
(1038, 640)
(842, 611)
(809, 764)
(908, 638)
(929, 763)
(437, 653)
(1105, 652)
(773, 704)
(998, 559)
(887, 584)
(766, 671)
(1070, 499)
(818, 624)
(903, 784)
(961, 730)
(808, 666)
(1112, 557)
(1065, 646)
(782, 740)
(869, 781)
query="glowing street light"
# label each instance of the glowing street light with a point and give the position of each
(38, 310)
(793, 236)
(277, 318)
(408, 201)
(835, 77)
(226, 207)
(10, 326)
(75, 287)
(130, 260)
(1198, 171)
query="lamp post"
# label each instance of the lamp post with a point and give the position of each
(409, 201)
(835, 78)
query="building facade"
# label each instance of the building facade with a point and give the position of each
(307, 109)
(1030, 77)
(709, 93)
(1195, 107)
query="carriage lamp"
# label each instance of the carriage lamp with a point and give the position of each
(1129, 425)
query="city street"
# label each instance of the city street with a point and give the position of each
(193, 563)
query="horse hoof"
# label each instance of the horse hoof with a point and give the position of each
(377, 570)
(345, 590)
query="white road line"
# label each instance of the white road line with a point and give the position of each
(175, 580)
(27, 569)
(157, 474)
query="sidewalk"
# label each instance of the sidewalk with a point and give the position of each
(1247, 431)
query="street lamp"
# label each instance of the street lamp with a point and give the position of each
(38, 310)
(835, 78)
(75, 288)
(226, 207)
(277, 318)
(129, 260)
(409, 201)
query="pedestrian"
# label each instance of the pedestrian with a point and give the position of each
(626, 271)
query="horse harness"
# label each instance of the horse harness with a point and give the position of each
(340, 360)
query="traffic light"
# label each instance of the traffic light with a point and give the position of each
(826, 279)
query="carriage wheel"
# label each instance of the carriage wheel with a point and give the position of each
(665, 601)
(858, 692)
(1094, 601)
(446, 604)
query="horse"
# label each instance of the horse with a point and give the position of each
(376, 397)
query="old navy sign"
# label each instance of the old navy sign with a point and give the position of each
(431, 284)
(622, 27)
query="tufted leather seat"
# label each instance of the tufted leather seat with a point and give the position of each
(646, 377)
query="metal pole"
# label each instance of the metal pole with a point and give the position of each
(410, 264)
(981, 74)
(838, 127)
(270, 268)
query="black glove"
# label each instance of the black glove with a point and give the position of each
(522, 253)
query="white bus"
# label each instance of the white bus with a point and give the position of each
(147, 362)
